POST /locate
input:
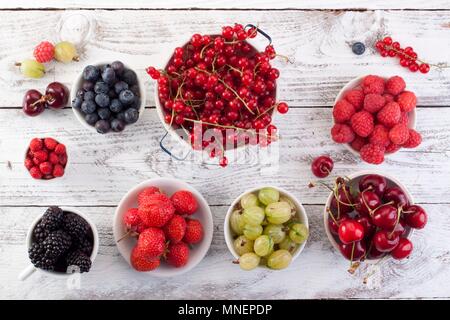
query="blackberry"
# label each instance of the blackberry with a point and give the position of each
(85, 246)
(36, 253)
(52, 219)
(39, 233)
(75, 225)
(56, 244)
(78, 261)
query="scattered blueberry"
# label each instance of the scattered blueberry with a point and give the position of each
(77, 102)
(358, 48)
(109, 76)
(91, 118)
(88, 86)
(88, 106)
(88, 96)
(91, 73)
(118, 67)
(120, 86)
(101, 87)
(104, 113)
(115, 106)
(126, 97)
(102, 100)
(102, 126)
(129, 76)
(117, 125)
(131, 115)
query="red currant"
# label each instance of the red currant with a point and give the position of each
(282, 107)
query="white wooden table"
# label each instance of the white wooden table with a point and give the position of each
(103, 168)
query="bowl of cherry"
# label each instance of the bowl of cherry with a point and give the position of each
(370, 215)
(56, 97)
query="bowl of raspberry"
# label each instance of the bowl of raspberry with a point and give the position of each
(370, 215)
(163, 227)
(375, 117)
(216, 90)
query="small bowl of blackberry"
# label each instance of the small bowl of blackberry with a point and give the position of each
(60, 242)
(106, 97)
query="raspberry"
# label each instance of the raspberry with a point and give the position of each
(362, 123)
(28, 163)
(36, 144)
(388, 97)
(404, 119)
(374, 102)
(35, 172)
(355, 97)
(407, 101)
(358, 143)
(395, 85)
(46, 167)
(390, 115)
(63, 159)
(53, 158)
(343, 111)
(392, 148)
(50, 143)
(184, 202)
(399, 134)
(40, 156)
(58, 170)
(414, 140)
(380, 135)
(194, 231)
(342, 133)
(60, 149)
(372, 153)
(373, 84)
(44, 52)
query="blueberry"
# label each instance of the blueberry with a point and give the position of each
(136, 103)
(101, 87)
(112, 94)
(129, 76)
(80, 93)
(117, 125)
(121, 116)
(91, 118)
(91, 73)
(109, 76)
(102, 126)
(120, 86)
(115, 106)
(76, 103)
(126, 97)
(88, 86)
(135, 89)
(89, 96)
(131, 115)
(118, 67)
(102, 100)
(88, 106)
(104, 113)
(358, 48)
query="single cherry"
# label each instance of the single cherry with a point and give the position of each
(322, 166)
(384, 241)
(33, 103)
(374, 253)
(385, 217)
(358, 248)
(403, 249)
(345, 199)
(350, 231)
(397, 195)
(415, 217)
(374, 183)
(400, 228)
(56, 95)
(369, 228)
(366, 202)
(334, 224)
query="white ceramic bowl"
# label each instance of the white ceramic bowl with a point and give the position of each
(29, 241)
(352, 85)
(169, 186)
(77, 85)
(355, 177)
(301, 216)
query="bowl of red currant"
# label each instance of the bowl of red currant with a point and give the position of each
(371, 215)
(218, 92)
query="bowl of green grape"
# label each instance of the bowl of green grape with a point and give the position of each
(266, 227)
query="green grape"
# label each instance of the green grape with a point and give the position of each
(65, 52)
(298, 233)
(278, 212)
(253, 215)
(291, 203)
(237, 222)
(276, 232)
(263, 245)
(32, 69)
(279, 259)
(268, 195)
(288, 244)
(249, 261)
(243, 245)
(252, 232)
(249, 200)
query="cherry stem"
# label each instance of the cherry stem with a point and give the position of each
(235, 69)
(126, 235)
(399, 212)
(269, 109)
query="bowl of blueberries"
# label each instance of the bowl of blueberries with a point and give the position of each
(106, 97)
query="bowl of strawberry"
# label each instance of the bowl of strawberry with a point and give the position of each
(370, 215)
(46, 158)
(223, 85)
(375, 117)
(163, 226)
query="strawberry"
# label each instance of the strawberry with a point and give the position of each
(178, 254)
(157, 210)
(175, 229)
(141, 262)
(184, 202)
(194, 231)
(147, 192)
(152, 242)
(131, 218)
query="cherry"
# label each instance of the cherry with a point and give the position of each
(415, 217)
(334, 224)
(358, 248)
(403, 249)
(56, 95)
(384, 241)
(350, 231)
(366, 202)
(374, 253)
(400, 228)
(322, 166)
(385, 217)
(396, 195)
(374, 183)
(369, 228)
(33, 103)
(345, 201)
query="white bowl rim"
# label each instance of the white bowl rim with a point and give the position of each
(29, 239)
(76, 86)
(208, 227)
(351, 85)
(357, 175)
(301, 212)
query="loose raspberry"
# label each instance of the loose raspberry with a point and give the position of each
(407, 101)
(392, 148)
(372, 153)
(356, 98)
(46, 167)
(58, 170)
(374, 102)
(358, 143)
(60, 149)
(184, 202)
(53, 158)
(395, 85)
(343, 111)
(362, 123)
(342, 133)
(390, 115)
(380, 135)
(373, 84)
(414, 140)
(28, 163)
(36, 144)
(35, 172)
(44, 52)
(388, 97)
(50, 143)
(40, 156)
(399, 134)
